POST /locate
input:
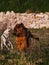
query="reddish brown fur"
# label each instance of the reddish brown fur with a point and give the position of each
(22, 37)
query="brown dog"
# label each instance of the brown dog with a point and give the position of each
(22, 37)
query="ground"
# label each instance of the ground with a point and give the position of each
(39, 55)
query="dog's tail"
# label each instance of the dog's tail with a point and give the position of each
(32, 36)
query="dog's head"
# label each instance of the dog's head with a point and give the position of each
(19, 30)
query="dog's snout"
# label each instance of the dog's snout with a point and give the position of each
(14, 33)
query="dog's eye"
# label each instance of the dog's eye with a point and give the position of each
(16, 30)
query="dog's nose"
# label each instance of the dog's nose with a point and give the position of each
(14, 33)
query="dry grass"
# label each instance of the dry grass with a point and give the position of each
(39, 55)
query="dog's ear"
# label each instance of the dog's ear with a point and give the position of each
(22, 24)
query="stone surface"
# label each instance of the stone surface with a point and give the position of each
(31, 20)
